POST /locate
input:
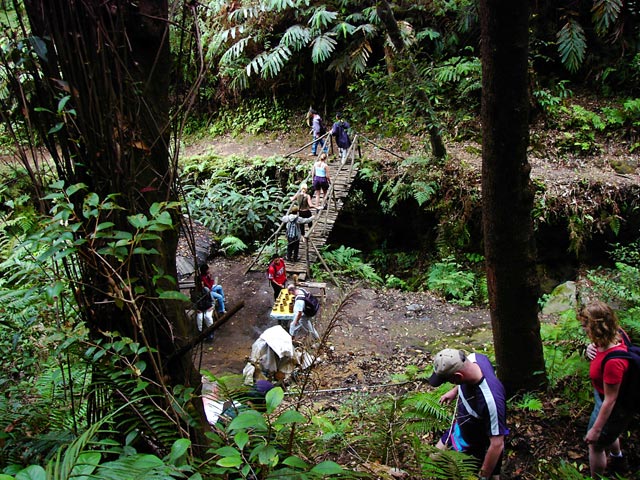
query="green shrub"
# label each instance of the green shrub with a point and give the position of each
(448, 278)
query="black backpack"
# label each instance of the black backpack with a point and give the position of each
(311, 303)
(629, 395)
(201, 299)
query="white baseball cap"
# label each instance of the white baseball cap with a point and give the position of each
(445, 363)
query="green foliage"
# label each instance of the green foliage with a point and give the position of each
(621, 285)
(237, 197)
(253, 116)
(255, 444)
(530, 402)
(551, 101)
(564, 344)
(232, 245)
(345, 262)
(605, 13)
(449, 280)
(563, 471)
(87, 456)
(581, 125)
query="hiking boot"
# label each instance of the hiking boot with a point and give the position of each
(617, 464)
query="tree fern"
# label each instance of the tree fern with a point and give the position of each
(605, 13)
(572, 45)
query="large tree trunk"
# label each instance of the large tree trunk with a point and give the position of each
(113, 59)
(508, 196)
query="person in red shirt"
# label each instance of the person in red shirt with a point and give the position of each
(610, 418)
(277, 274)
(209, 285)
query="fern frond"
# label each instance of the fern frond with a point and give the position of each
(424, 191)
(572, 45)
(428, 33)
(458, 69)
(450, 464)
(232, 245)
(604, 14)
(426, 411)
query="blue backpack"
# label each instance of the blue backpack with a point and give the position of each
(629, 395)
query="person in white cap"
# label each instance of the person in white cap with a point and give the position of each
(479, 425)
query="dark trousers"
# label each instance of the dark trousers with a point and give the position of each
(276, 290)
(293, 246)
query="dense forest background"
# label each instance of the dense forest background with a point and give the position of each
(99, 100)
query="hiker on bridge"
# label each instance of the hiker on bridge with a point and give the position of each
(303, 201)
(321, 180)
(293, 221)
(340, 132)
(318, 129)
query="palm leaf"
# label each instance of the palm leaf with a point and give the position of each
(296, 37)
(322, 48)
(244, 14)
(322, 18)
(605, 13)
(572, 45)
(360, 57)
(235, 51)
(274, 61)
(280, 5)
(344, 29)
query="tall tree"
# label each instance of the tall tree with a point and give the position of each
(105, 86)
(507, 195)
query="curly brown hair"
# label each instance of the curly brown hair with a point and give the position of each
(600, 323)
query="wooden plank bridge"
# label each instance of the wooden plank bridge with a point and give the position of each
(342, 176)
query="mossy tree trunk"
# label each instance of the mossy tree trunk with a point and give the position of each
(507, 196)
(113, 60)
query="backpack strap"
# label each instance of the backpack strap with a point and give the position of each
(616, 354)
